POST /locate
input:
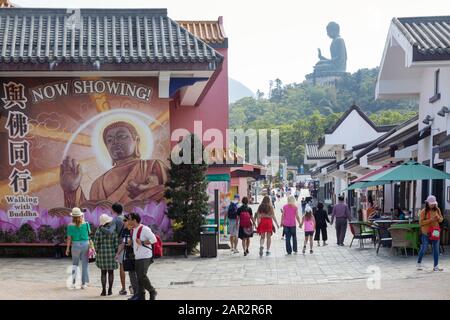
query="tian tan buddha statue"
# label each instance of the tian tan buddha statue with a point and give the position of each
(338, 61)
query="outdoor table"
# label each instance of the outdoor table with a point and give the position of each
(413, 236)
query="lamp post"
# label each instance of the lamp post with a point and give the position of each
(429, 120)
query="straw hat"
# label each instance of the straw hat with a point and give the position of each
(76, 212)
(431, 200)
(104, 219)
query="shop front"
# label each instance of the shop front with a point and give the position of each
(91, 102)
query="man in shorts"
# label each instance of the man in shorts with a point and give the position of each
(233, 223)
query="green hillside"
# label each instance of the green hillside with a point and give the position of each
(302, 111)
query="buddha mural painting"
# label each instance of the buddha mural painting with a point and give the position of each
(130, 178)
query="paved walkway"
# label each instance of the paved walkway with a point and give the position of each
(330, 272)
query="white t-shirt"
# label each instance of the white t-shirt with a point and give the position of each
(141, 252)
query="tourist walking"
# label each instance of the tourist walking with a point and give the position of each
(273, 198)
(309, 224)
(117, 226)
(342, 214)
(429, 220)
(142, 237)
(246, 223)
(321, 217)
(106, 245)
(78, 232)
(233, 223)
(265, 217)
(126, 255)
(303, 203)
(288, 223)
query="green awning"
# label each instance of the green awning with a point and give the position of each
(366, 184)
(218, 177)
(410, 171)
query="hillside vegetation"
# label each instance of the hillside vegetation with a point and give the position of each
(302, 111)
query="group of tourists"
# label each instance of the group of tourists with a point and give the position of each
(242, 224)
(120, 242)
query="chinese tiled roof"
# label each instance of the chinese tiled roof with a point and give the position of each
(40, 35)
(428, 35)
(363, 115)
(212, 32)
(376, 143)
(312, 152)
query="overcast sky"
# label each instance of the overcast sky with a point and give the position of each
(279, 38)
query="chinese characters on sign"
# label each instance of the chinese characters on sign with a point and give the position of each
(17, 127)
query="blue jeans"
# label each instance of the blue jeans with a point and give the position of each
(423, 248)
(80, 252)
(290, 232)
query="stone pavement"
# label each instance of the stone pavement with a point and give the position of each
(330, 272)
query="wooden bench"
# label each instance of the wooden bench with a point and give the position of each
(176, 245)
(33, 245)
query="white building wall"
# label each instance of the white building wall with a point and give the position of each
(440, 124)
(353, 131)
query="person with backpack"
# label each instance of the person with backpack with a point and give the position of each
(142, 239)
(233, 223)
(429, 221)
(106, 245)
(246, 223)
(126, 255)
(288, 222)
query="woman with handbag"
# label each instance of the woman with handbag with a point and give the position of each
(106, 245)
(246, 224)
(78, 241)
(429, 220)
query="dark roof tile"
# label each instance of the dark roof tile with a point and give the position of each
(40, 35)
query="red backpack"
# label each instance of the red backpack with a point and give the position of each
(245, 220)
(157, 248)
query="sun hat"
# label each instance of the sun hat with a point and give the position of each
(76, 212)
(431, 200)
(104, 219)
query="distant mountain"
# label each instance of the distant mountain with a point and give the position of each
(237, 90)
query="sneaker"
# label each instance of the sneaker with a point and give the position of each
(419, 267)
(236, 251)
(232, 250)
(295, 252)
(437, 269)
(134, 297)
(325, 244)
(84, 286)
(267, 253)
(261, 251)
(72, 286)
(123, 292)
